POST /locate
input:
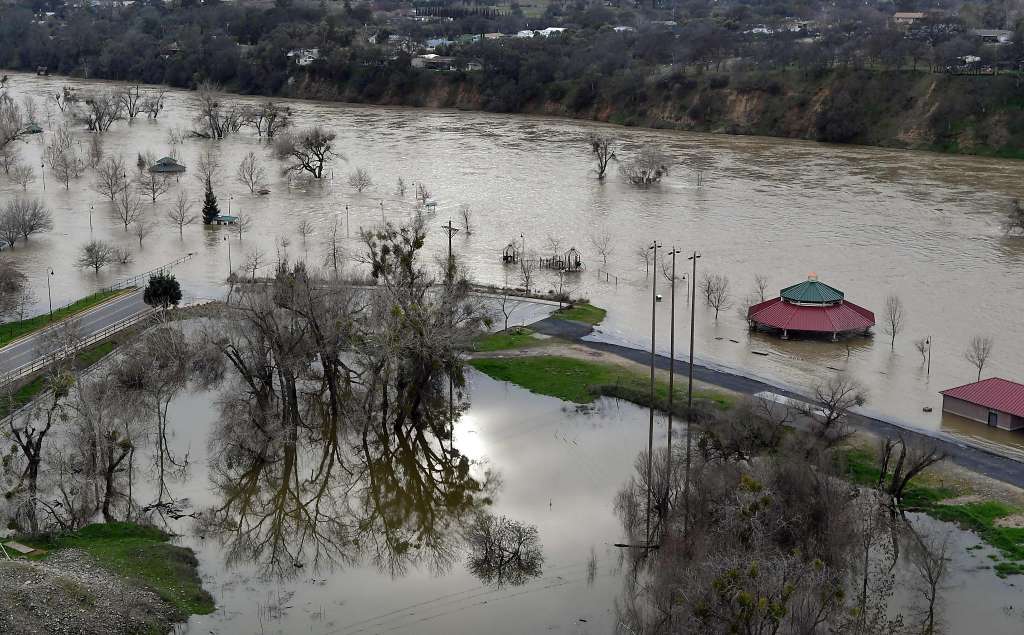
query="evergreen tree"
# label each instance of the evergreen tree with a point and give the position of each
(210, 209)
(163, 290)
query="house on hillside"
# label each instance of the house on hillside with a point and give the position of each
(434, 62)
(993, 36)
(304, 57)
(907, 18)
(995, 402)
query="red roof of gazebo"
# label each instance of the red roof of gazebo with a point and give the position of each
(827, 318)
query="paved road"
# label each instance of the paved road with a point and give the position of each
(971, 457)
(95, 319)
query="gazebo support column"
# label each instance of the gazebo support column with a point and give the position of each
(834, 338)
(785, 334)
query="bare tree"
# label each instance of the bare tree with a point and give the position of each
(250, 173)
(978, 351)
(648, 167)
(253, 261)
(308, 151)
(1013, 223)
(23, 175)
(243, 224)
(131, 100)
(128, 206)
(10, 226)
(897, 470)
(208, 168)
(423, 193)
(142, 229)
(100, 110)
(269, 118)
(63, 157)
(111, 177)
(642, 252)
(305, 229)
(509, 303)
(9, 156)
(603, 243)
(930, 557)
(467, 216)
(33, 216)
(153, 185)
(359, 179)
(527, 267)
(761, 283)
(13, 125)
(95, 255)
(215, 118)
(95, 154)
(833, 398)
(601, 149)
(716, 292)
(922, 347)
(894, 318)
(153, 103)
(400, 188)
(121, 255)
(334, 255)
(181, 214)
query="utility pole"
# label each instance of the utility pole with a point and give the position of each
(451, 230)
(929, 371)
(229, 256)
(346, 222)
(671, 373)
(384, 222)
(689, 396)
(650, 431)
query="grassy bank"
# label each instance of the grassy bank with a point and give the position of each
(143, 555)
(979, 516)
(584, 312)
(11, 331)
(582, 382)
(515, 337)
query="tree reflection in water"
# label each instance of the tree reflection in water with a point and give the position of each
(503, 551)
(335, 440)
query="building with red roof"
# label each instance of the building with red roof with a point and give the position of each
(996, 402)
(811, 307)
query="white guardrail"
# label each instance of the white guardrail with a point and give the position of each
(48, 359)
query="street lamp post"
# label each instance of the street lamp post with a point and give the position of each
(650, 432)
(671, 372)
(90, 217)
(229, 256)
(42, 174)
(384, 222)
(49, 292)
(689, 397)
(346, 222)
(449, 277)
(929, 371)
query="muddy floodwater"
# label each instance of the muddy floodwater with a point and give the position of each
(552, 465)
(871, 222)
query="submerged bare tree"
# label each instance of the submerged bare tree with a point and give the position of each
(181, 214)
(894, 318)
(360, 179)
(99, 110)
(646, 168)
(307, 151)
(603, 243)
(95, 255)
(1013, 223)
(250, 173)
(978, 351)
(127, 206)
(23, 175)
(111, 177)
(716, 292)
(216, 117)
(152, 185)
(602, 149)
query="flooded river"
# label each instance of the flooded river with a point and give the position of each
(871, 222)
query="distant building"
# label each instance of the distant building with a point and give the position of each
(493, 36)
(993, 36)
(304, 57)
(623, 29)
(551, 30)
(907, 18)
(995, 402)
(434, 62)
(525, 33)
(167, 165)
(437, 42)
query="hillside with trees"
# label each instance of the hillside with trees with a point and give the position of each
(939, 76)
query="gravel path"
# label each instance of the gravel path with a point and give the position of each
(70, 594)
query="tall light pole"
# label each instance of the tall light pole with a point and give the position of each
(229, 256)
(929, 371)
(689, 396)
(650, 431)
(346, 222)
(671, 373)
(90, 217)
(451, 230)
(49, 292)
(384, 222)
(42, 173)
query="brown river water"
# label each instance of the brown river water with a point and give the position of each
(869, 221)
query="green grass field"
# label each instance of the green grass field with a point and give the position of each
(11, 331)
(141, 554)
(514, 337)
(586, 313)
(582, 382)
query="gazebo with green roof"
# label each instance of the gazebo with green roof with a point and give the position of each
(813, 307)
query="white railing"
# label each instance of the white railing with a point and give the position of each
(44, 361)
